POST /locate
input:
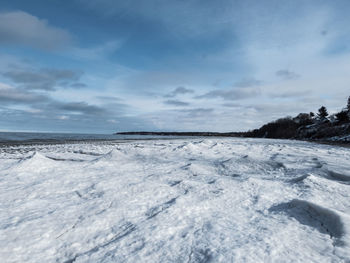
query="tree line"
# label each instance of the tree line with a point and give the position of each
(307, 125)
(342, 116)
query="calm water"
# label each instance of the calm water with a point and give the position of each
(31, 136)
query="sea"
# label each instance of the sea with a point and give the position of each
(18, 137)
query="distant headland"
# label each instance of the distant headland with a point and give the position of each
(305, 126)
(214, 134)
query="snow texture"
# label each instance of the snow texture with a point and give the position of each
(187, 200)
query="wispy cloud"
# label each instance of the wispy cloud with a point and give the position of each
(109, 98)
(44, 79)
(232, 94)
(291, 94)
(197, 112)
(80, 107)
(39, 103)
(179, 91)
(78, 85)
(247, 82)
(21, 28)
(176, 103)
(11, 95)
(287, 74)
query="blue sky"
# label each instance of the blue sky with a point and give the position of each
(104, 66)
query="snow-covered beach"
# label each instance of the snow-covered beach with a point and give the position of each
(184, 200)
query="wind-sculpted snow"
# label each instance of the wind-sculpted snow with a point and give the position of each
(193, 200)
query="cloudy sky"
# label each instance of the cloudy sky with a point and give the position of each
(99, 66)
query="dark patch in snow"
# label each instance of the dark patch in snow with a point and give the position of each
(154, 211)
(88, 153)
(276, 165)
(233, 175)
(81, 218)
(89, 193)
(65, 160)
(185, 167)
(199, 255)
(299, 179)
(217, 191)
(215, 144)
(174, 183)
(78, 194)
(337, 176)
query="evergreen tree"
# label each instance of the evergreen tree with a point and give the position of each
(342, 116)
(348, 106)
(322, 113)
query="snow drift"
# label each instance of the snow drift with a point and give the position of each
(194, 200)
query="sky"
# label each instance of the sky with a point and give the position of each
(101, 66)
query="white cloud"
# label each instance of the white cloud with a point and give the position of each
(21, 28)
(63, 117)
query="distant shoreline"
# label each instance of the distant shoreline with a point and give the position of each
(117, 141)
(205, 134)
(233, 134)
(332, 143)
